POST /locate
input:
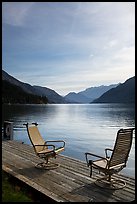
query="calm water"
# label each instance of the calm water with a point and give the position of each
(85, 128)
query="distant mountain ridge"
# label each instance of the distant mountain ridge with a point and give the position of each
(123, 93)
(13, 94)
(115, 93)
(52, 96)
(89, 94)
(76, 98)
(96, 92)
(26, 87)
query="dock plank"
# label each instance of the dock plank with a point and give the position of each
(70, 182)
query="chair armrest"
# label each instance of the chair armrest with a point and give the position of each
(94, 155)
(106, 151)
(57, 142)
(46, 145)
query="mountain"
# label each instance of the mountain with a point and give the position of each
(73, 97)
(96, 92)
(26, 87)
(88, 94)
(12, 93)
(51, 95)
(123, 93)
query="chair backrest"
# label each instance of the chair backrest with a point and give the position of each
(122, 147)
(35, 137)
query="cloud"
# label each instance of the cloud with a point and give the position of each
(15, 13)
(111, 44)
(126, 54)
(91, 55)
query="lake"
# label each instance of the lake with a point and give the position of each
(84, 127)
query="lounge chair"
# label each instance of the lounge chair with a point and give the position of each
(114, 161)
(44, 149)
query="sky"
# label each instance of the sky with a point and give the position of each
(69, 46)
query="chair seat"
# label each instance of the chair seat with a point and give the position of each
(44, 151)
(102, 163)
(57, 151)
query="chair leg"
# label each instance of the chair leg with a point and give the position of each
(47, 165)
(109, 183)
(90, 171)
(90, 164)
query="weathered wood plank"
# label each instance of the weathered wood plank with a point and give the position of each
(34, 185)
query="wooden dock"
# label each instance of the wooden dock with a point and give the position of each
(70, 182)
